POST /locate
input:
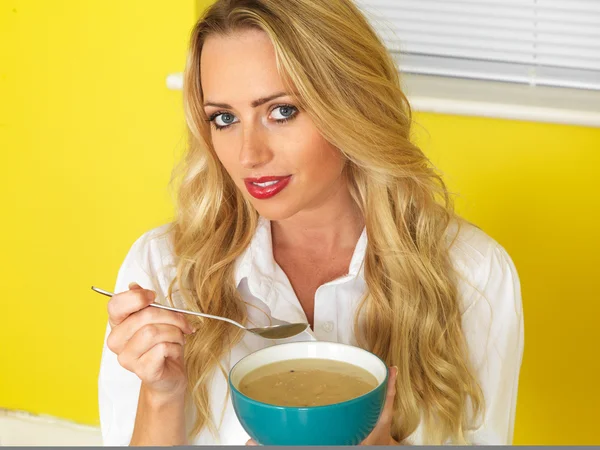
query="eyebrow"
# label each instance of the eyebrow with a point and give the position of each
(254, 104)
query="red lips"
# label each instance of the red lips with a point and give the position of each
(265, 192)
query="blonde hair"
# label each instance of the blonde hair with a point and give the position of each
(346, 80)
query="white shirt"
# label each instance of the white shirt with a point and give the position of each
(492, 319)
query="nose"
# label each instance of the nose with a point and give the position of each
(255, 150)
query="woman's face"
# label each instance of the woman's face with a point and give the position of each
(270, 148)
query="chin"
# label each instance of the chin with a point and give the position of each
(276, 211)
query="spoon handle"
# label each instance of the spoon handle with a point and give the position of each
(184, 311)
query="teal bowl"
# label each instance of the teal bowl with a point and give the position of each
(346, 423)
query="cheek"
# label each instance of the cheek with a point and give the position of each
(227, 157)
(322, 160)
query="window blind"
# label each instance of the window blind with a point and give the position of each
(545, 42)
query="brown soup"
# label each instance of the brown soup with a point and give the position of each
(307, 382)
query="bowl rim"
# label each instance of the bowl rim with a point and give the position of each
(301, 408)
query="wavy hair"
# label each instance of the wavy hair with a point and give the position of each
(348, 82)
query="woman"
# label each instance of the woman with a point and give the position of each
(303, 199)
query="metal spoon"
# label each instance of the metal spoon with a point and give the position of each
(272, 332)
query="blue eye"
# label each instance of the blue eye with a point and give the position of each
(226, 119)
(287, 111)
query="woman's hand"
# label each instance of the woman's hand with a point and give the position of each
(382, 433)
(149, 341)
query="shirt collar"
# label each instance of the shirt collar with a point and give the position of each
(257, 264)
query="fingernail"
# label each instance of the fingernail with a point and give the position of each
(133, 284)
(395, 370)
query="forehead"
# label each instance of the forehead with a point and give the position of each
(239, 67)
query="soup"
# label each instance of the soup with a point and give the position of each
(307, 382)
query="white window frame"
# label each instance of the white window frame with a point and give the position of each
(446, 95)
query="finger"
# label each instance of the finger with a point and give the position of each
(151, 364)
(122, 333)
(150, 335)
(388, 408)
(251, 442)
(122, 305)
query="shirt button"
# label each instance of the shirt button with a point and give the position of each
(328, 327)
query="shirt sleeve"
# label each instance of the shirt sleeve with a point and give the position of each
(494, 331)
(118, 389)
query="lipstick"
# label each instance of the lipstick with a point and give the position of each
(266, 187)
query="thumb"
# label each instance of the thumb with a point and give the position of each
(388, 408)
(134, 286)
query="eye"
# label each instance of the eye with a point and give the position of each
(285, 111)
(222, 119)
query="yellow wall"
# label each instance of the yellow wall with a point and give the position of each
(88, 134)
(533, 188)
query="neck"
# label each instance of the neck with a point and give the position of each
(334, 226)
